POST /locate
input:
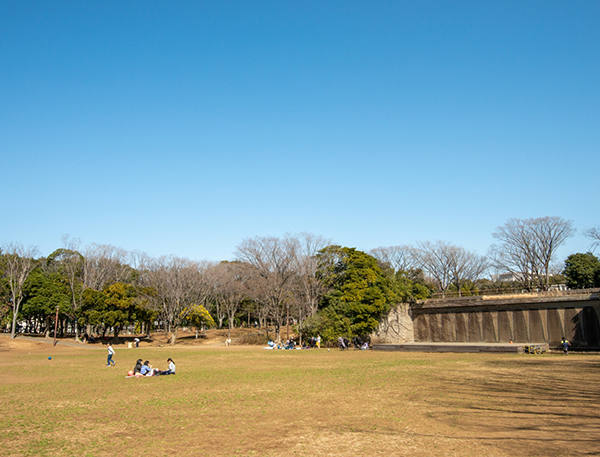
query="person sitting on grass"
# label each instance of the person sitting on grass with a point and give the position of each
(138, 367)
(171, 369)
(146, 370)
(270, 345)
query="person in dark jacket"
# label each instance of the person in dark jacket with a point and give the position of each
(565, 345)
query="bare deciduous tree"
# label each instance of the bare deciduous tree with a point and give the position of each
(528, 246)
(179, 284)
(435, 260)
(18, 263)
(449, 264)
(103, 265)
(466, 266)
(399, 258)
(227, 288)
(70, 262)
(594, 235)
(272, 261)
(309, 288)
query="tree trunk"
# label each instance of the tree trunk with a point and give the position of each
(76, 325)
(14, 321)
(174, 335)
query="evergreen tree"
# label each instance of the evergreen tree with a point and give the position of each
(359, 293)
(582, 271)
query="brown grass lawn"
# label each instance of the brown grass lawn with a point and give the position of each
(245, 401)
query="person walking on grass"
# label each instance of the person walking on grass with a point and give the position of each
(111, 352)
(565, 345)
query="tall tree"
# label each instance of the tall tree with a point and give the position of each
(121, 306)
(227, 288)
(466, 267)
(310, 289)
(18, 263)
(359, 296)
(179, 284)
(436, 259)
(104, 265)
(69, 262)
(272, 264)
(45, 292)
(527, 248)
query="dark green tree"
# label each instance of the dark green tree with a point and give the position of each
(117, 306)
(69, 264)
(43, 293)
(408, 286)
(582, 271)
(360, 294)
(92, 308)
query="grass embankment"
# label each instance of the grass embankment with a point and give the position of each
(243, 401)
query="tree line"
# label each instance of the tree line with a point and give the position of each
(304, 279)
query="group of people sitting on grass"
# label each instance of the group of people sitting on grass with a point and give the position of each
(145, 369)
(343, 344)
(289, 344)
(357, 342)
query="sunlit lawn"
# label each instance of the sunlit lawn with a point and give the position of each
(248, 401)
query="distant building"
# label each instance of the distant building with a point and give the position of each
(507, 277)
(519, 277)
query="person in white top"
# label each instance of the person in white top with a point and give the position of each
(171, 369)
(111, 352)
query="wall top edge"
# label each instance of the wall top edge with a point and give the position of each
(515, 299)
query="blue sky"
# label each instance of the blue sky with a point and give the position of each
(184, 127)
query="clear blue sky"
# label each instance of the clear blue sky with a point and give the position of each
(184, 127)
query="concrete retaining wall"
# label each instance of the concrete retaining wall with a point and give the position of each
(532, 318)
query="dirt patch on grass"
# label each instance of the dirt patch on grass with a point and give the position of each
(211, 337)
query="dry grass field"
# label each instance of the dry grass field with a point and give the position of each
(245, 401)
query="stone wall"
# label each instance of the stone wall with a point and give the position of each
(397, 327)
(539, 318)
